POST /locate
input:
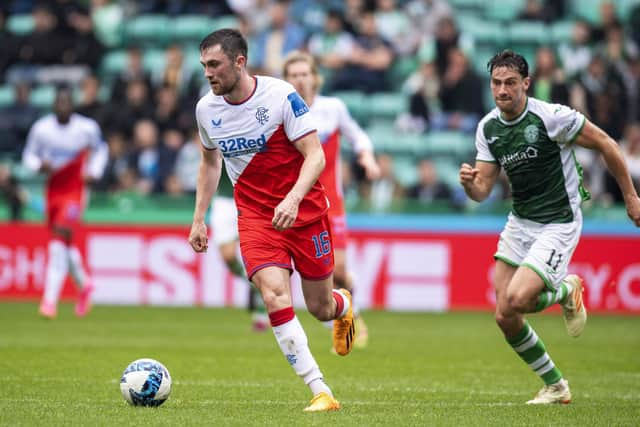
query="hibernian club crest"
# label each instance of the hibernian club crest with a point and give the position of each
(531, 134)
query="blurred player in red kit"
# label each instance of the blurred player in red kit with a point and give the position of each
(68, 148)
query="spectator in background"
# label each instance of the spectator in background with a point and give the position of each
(548, 82)
(45, 44)
(603, 97)
(172, 141)
(394, 26)
(134, 70)
(368, 61)
(273, 44)
(576, 54)
(167, 112)
(460, 96)
(177, 74)
(187, 161)
(16, 120)
(423, 88)
(448, 38)
(424, 16)
(608, 18)
(631, 151)
(90, 105)
(331, 47)
(114, 177)
(144, 162)
(13, 195)
(8, 46)
(429, 188)
(383, 192)
(122, 116)
(535, 10)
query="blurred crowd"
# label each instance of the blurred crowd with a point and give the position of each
(146, 110)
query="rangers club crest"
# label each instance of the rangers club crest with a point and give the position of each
(262, 115)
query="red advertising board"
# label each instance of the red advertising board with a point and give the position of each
(396, 270)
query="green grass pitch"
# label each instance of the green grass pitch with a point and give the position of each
(419, 369)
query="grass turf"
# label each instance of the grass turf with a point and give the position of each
(419, 369)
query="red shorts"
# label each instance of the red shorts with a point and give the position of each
(65, 213)
(338, 231)
(308, 245)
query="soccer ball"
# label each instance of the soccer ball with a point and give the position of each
(145, 382)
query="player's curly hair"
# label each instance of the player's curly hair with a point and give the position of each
(230, 40)
(510, 59)
(300, 56)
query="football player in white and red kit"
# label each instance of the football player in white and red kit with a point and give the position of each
(263, 130)
(333, 122)
(69, 149)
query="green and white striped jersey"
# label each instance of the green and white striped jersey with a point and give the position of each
(536, 153)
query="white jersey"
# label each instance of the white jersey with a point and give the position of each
(255, 138)
(335, 122)
(59, 144)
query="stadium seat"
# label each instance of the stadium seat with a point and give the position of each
(404, 169)
(503, 10)
(113, 62)
(43, 96)
(355, 103)
(20, 24)
(586, 9)
(455, 144)
(465, 4)
(7, 95)
(483, 33)
(528, 33)
(190, 28)
(226, 21)
(150, 29)
(387, 105)
(402, 69)
(154, 61)
(561, 31)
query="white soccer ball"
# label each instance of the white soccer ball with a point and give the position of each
(145, 382)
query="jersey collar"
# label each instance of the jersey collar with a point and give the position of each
(517, 119)
(255, 87)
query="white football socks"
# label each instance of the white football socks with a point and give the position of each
(57, 268)
(294, 345)
(76, 267)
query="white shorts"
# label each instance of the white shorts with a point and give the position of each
(224, 220)
(545, 248)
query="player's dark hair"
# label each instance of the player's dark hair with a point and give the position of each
(230, 40)
(510, 59)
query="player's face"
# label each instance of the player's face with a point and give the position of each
(299, 74)
(222, 73)
(509, 90)
(63, 106)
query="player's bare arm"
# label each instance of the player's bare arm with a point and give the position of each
(208, 177)
(479, 180)
(596, 139)
(367, 160)
(286, 212)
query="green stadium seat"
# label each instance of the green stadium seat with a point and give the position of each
(154, 61)
(387, 105)
(561, 31)
(384, 138)
(455, 144)
(226, 21)
(404, 169)
(402, 69)
(43, 96)
(587, 9)
(113, 62)
(503, 10)
(150, 29)
(465, 4)
(190, 28)
(448, 171)
(7, 95)
(355, 102)
(20, 24)
(528, 33)
(484, 33)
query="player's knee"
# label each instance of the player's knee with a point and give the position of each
(518, 302)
